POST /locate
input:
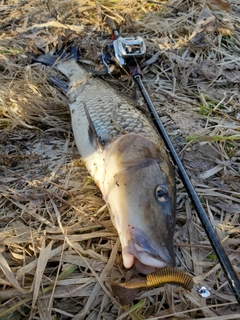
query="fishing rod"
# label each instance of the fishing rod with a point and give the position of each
(126, 51)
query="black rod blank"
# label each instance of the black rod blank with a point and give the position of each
(218, 248)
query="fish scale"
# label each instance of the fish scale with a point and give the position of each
(107, 117)
(102, 102)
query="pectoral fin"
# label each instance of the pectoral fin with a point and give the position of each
(92, 133)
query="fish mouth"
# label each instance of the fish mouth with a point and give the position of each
(143, 256)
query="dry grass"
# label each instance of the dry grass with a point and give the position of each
(58, 249)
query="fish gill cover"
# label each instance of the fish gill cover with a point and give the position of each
(52, 216)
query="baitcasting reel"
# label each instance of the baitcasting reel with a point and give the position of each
(128, 48)
(121, 50)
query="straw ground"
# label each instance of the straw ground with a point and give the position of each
(59, 252)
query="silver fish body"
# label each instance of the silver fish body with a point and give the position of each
(129, 162)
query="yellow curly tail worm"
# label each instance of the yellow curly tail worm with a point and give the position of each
(169, 275)
(127, 291)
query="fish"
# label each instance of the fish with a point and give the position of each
(128, 161)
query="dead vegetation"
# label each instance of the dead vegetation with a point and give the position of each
(58, 249)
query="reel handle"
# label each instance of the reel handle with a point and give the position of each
(112, 25)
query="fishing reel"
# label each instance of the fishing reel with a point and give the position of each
(128, 48)
(123, 51)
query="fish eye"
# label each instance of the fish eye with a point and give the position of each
(161, 193)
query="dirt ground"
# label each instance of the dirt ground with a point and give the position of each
(59, 251)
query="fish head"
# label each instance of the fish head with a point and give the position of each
(140, 193)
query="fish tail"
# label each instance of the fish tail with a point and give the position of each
(55, 61)
(52, 60)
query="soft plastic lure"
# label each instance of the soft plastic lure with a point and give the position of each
(127, 291)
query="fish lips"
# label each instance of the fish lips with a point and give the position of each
(143, 256)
